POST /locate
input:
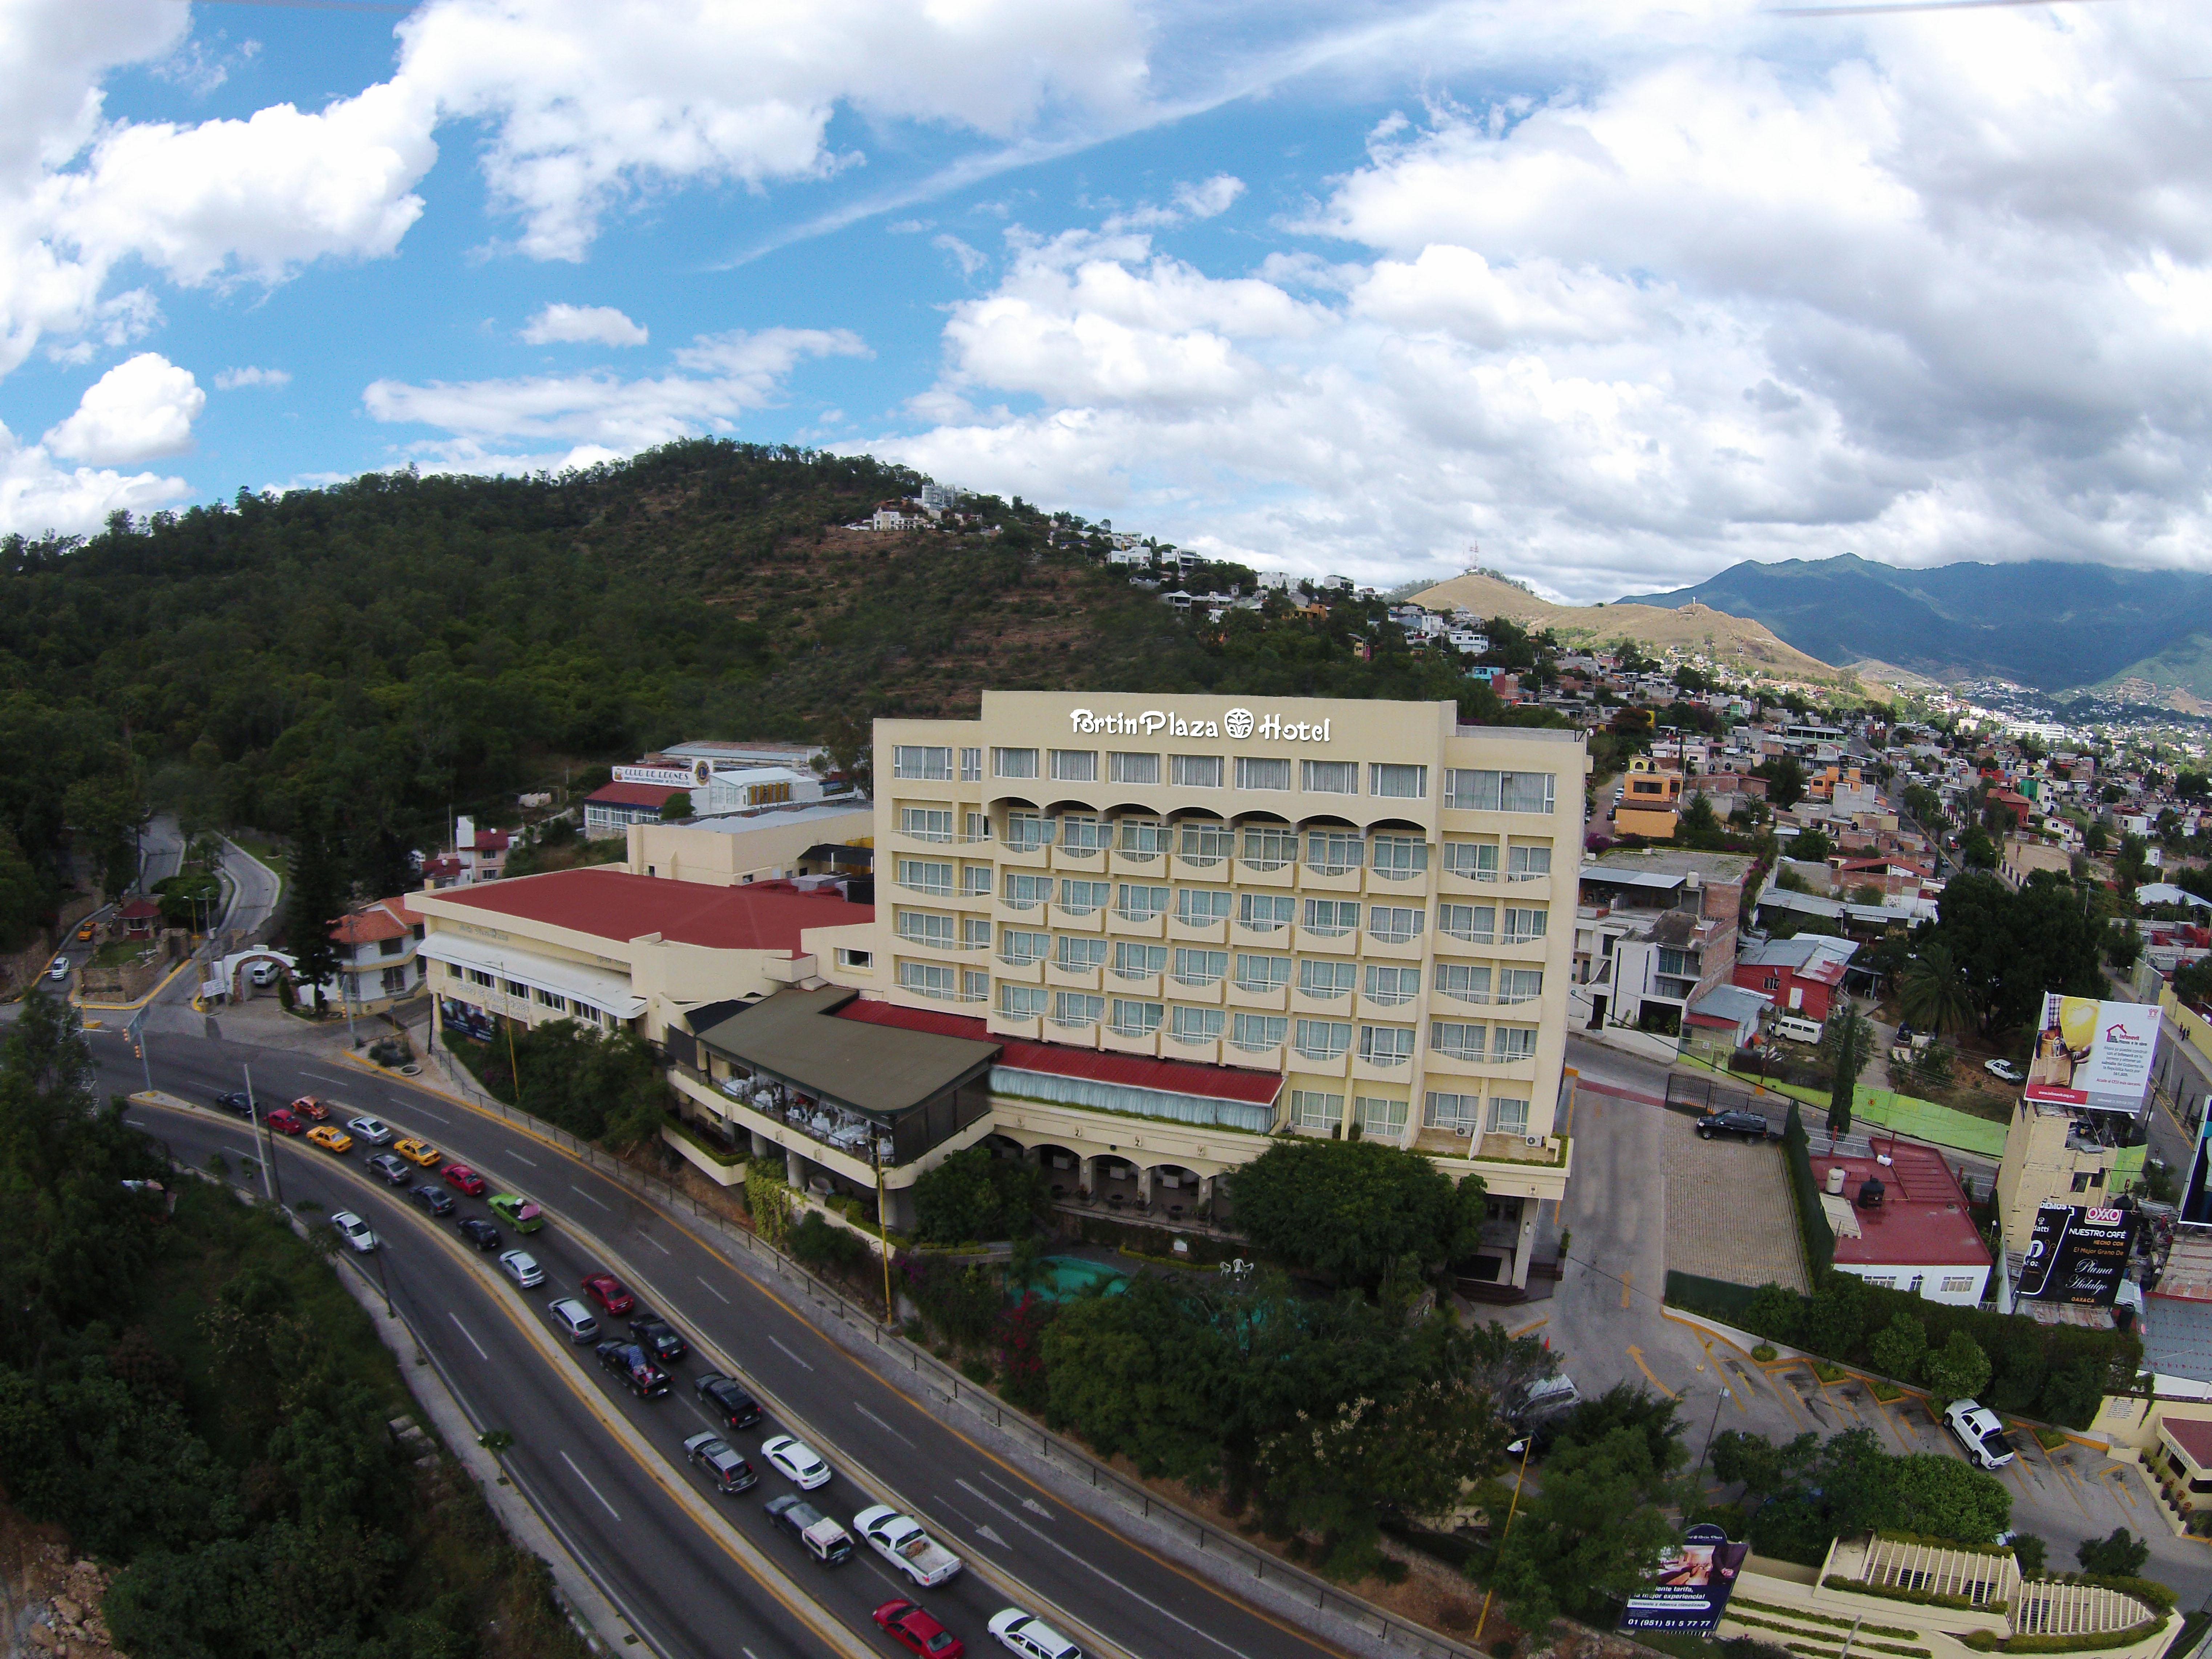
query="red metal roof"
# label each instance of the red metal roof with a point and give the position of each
(138, 908)
(1922, 1220)
(2193, 1437)
(654, 795)
(1174, 1076)
(614, 904)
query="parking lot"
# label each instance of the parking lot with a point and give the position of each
(1729, 1213)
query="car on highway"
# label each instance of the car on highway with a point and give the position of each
(726, 1401)
(574, 1318)
(331, 1138)
(1751, 1126)
(1026, 1634)
(460, 1176)
(86, 931)
(724, 1464)
(607, 1290)
(436, 1200)
(280, 1119)
(60, 970)
(421, 1153)
(823, 1539)
(521, 1267)
(480, 1233)
(631, 1364)
(900, 1539)
(518, 1211)
(376, 1132)
(235, 1101)
(796, 1462)
(917, 1632)
(2004, 1070)
(394, 1172)
(657, 1337)
(355, 1231)
(313, 1106)
(1979, 1432)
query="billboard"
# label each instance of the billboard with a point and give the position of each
(466, 1018)
(1692, 1590)
(2090, 1054)
(2077, 1254)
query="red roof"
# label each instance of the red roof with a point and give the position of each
(138, 909)
(497, 841)
(614, 904)
(2193, 1437)
(389, 918)
(1174, 1076)
(1922, 1220)
(654, 795)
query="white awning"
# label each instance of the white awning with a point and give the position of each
(609, 993)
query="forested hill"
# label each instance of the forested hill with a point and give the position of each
(384, 651)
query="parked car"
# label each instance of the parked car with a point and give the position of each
(235, 1101)
(823, 1538)
(394, 1172)
(918, 1632)
(460, 1176)
(376, 1132)
(1546, 1398)
(796, 1462)
(724, 1464)
(521, 1267)
(421, 1153)
(573, 1318)
(280, 1119)
(480, 1233)
(331, 1138)
(631, 1363)
(1751, 1126)
(2004, 1070)
(1026, 1634)
(313, 1106)
(264, 973)
(518, 1211)
(436, 1200)
(726, 1401)
(900, 1539)
(355, 1231)
(1979, 1433)
(657, 1337)
(607, 1290)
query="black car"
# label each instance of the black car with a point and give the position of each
(628, 1362)
(236, 1101)
(725, 1465)
(394, 1170)
(726, 1401)
(658, 1338)
(480, 1233)
(1750, 1124)
(436, 1200)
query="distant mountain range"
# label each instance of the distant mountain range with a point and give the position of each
(2058, 627)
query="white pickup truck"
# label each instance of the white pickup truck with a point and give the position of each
(900, 1540)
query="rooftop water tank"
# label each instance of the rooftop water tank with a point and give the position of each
(1836, 1176)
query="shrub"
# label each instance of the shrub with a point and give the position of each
(1898, 1348)
(816, 1243)
(1957, 1371)
(1775, 1312)
(975, 1195)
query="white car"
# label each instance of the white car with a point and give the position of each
(1030, 1637)
(264, 973)
(1979, 1433)
(522, 1268)
(900, 1539)
(796, 1460)
(2004, 1070)
(376, 1133)
(352, 1229)
(60, 970)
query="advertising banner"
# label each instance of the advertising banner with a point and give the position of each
(2090, 1054)
(466, 1018)
(1693, 1587)
(2077, 1254)
(2196, 1193)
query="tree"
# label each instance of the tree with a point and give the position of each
(975, 1195)
(2032, 1552)
(1932, 994)
(1351, 1209)
(1847, 1045)
(677, 807)
(1699, 826)
(1866, 893)
(2119, 1554)
(2096, 838)
(1592, 1533)
(2011, 947)
(1835, 1314)
(1947, 1498)
(1899, 1349)
(1976, 850)
(1785, 781)
(2122, 945)
(2131, 863)
(1957, 1371)
(1812, 846)
(317, 902)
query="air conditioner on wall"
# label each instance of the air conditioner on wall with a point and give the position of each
(1532, 1140)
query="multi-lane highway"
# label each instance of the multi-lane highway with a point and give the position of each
(684, 1591)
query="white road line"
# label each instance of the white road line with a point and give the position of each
(794, 1357)
(464, 1331)
(517, 1157)
(588, 1198)
(880, 1423)
(418, 1111)
(589, 1487)
(656, 1243)
(712, 1291)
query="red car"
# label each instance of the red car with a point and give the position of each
(280, 1119)
(459, 1175)
(917, 1632)
(308, 1106)
(607, 1290)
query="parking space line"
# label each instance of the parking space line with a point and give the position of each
(1538, 1325)
(1627, 1285)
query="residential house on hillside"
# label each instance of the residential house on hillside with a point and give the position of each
(1802, 975)
(378, 960)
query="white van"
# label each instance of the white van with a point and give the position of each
(1798, 1028)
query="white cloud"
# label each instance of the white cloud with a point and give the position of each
(970, 260)
(1207, 200)
(576, 324)
(36, 496)
(138, 411)
(231, 379)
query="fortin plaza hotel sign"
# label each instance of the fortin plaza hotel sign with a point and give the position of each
(1237, 724)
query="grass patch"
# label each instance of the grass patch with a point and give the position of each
(1883, 1391)
(1826, 1372)
(2050, 1439)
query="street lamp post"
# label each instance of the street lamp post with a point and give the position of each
(1710, 1428)
(1528, 1444)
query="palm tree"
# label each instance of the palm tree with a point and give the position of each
(1933, 991)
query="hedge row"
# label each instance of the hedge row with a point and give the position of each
(1819, 1238)
(1985, 1641)
(1821, 1618)
(1836, 1581)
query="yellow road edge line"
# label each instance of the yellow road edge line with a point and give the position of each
(1716, 1335)
(1637, 1354)
(1525, 1329)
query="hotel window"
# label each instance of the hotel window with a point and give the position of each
(1523, 927)
(1473, 924)
(1264, 913)
(1520, 984)
(1516, 1043)
(1471, 860)
(1499, 791)
(1140, 904)
(929, 979)
(1329, 777)
(478, 976)
(1026, 892)
(1463, 982)
(1084, 898)
(1395, 924)
(1135, 961)
(1075, 765)
(1315, 1112)
(1143, 837)
(1455, 1039)
(1195, 771)
(1333, 853)
(1455, 1115)
(971, 766)
(1398, 782)
(1326, 980)
(1081, 833)
(1075, 1008)
(1023, 1002)
(1386, 1045)
(925, 823)
(1322, 1039)
(1261, 974)
(1125, 768)
(1135, 1019)
(1013, 762)
(1197, 1025)
(915, 761)
(974, 932)
(1332, 918)
(1019, 947)
(1400, 858)
(1528, 862)
(1078, 955)
(1508, 1117)
(1200, 967)
(975, 880)
(1028, 831)
(1202, 907)
(1392, 986)
(1269, 848)
(975, 985)
(558, 1005)
(1253, 773)
(926, 927)
(1379, 1118)
(979, 827)
(1207, 843)
(848, 958)
(925, 875)
(1257, 1033)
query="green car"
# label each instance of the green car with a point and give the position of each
(518, 1211)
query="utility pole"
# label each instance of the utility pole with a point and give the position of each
(1710, 1428)
(266, 1154)
(884, 1237)
(1528, 1444)
(136, 1032)
(383, 1284)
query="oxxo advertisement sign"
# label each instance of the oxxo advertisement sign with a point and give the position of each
(1692, 1591)
(2077, 1254)
(2095, 1055)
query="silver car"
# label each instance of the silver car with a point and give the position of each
(355, 1231)
(522, 1268)
(371, 1130)
(574, 1317)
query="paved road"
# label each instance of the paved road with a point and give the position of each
(161, 850)
(253, 889)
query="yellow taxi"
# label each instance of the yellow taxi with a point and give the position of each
(420, 1152)
(330, 1139)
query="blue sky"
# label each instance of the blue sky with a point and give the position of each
(1605, 296)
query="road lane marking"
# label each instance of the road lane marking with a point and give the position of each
(1627, 1287)
(712, 1291)
(880, 1423)
(464, 1331)
(588, 1198)
(1029, 1504)
(986, 1532)
(1637, 1354)
(589, 1487)
(1538, 1325)
(518, 1157)
(655, 1242)
(795, 1358)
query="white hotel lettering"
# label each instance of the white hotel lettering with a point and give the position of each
(1152, 722)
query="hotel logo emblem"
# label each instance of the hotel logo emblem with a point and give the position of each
(1237, 722)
